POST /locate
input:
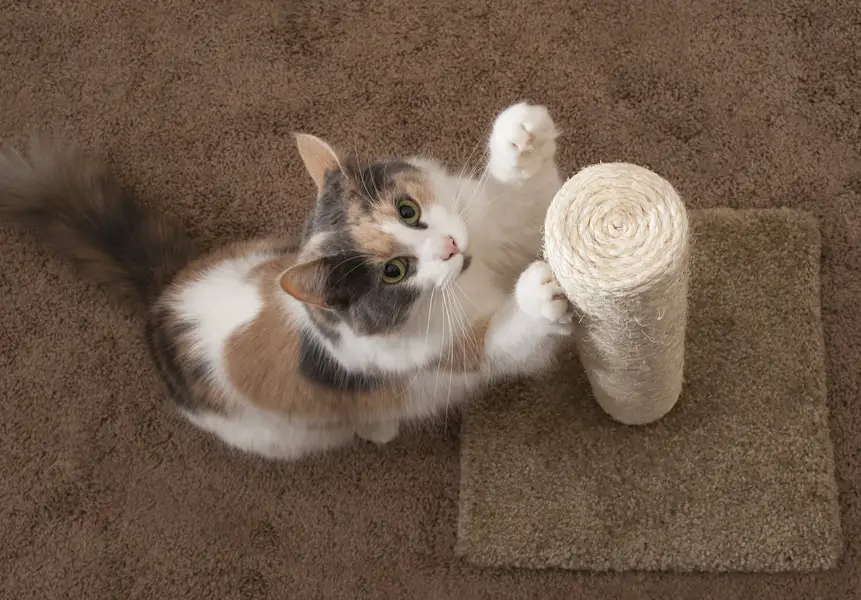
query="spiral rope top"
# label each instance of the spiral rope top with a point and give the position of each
(615, 230)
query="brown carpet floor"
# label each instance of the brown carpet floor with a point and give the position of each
(738, 477)
(104, 495)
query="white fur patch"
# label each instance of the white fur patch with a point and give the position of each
(266, 434)
(218, 302)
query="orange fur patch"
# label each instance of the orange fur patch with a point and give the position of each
(263, 363)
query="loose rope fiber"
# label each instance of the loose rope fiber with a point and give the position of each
(616, 237)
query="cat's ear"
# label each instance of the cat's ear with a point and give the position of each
(318, 156)
(306, 282)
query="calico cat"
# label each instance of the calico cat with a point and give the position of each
(410, 288)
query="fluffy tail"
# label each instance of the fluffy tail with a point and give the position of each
(76, 205)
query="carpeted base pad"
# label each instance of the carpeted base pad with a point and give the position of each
(738, 477)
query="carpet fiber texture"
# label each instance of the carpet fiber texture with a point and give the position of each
(739, 476)
(104, 494)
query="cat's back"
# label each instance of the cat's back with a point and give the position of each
(204, 309)
(223, 293)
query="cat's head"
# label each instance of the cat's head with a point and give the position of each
(381, 237)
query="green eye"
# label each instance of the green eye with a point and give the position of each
(394, 271)
(409, 211)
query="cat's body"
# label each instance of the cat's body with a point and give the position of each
(411, 288)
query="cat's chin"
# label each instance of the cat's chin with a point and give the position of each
(448, 272)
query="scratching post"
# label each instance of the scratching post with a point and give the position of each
(616, 237)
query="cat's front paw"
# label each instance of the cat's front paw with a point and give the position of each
(523, 141)
(539, 295)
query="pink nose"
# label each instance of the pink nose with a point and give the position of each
(449, 248)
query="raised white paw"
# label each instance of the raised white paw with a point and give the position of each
(523, 141)
(539, 295)
(379, 432)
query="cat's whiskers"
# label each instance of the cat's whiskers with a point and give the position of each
(477, 192)
(471, 153)
(470, 178)
(361, 264)
(408, 388)
(374, 182)
(355, 147)
(462, 207)
(470, 345)
(445, 324)
(453, 337)
(459, 333)
(464, 295)
(430, 312)
(462, 333)
(461, 178)
(359, 162)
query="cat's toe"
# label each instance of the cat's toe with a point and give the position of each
(540, 295)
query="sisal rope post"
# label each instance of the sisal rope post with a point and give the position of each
(616, 237)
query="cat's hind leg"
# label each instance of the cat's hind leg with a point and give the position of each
(379, 432)
(269, 436)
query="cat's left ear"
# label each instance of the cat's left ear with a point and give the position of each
(318, 156)
(306, 282)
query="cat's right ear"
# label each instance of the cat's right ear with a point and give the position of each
(318, 156)
(306, 282)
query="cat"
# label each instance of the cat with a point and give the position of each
(409, 289)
